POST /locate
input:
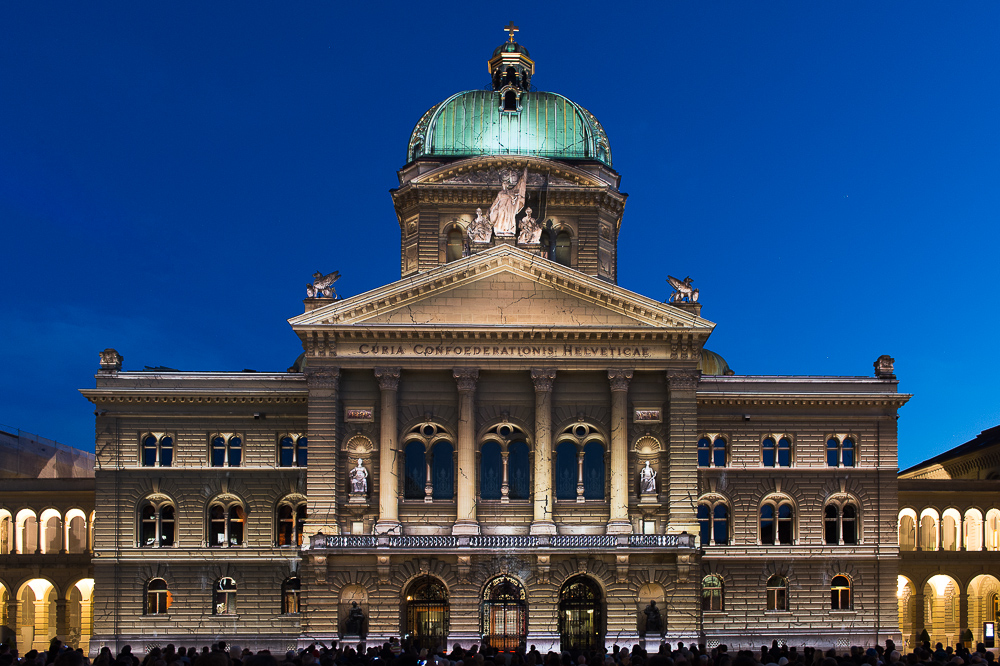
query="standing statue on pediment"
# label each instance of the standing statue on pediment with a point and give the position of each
(509, 202)
(480, 231)
(529, 231)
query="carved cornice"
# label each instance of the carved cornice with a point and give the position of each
(388, 378)
(620, 378)
(682, 380)
(466, 378)
(197, 399)
(411, 197)
(789, 401)
(323, 378)
(543, 379)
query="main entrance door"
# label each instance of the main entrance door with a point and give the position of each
(426, 612)
(581, 615)
(503, 617)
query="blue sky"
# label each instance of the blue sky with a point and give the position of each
(171, 174)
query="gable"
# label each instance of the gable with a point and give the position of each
(503, 299)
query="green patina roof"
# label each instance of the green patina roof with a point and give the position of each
(548, 125)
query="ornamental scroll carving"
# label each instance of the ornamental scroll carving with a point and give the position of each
(388, 378)
(543, 378)
(466, 378)
(682, 380)
(620, 378)
(325, 378)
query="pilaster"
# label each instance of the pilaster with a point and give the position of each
(465, 522)
(388, 489)
(619, 522)
(542, 492)
(321, 473)
(682, 478)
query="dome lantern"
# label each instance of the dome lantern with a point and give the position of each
(511, 70)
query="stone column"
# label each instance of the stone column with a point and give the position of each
(465, 521)
(681, 480)
(918, 615)
(321, 473)
(619, 522)
(388, 485)
(62, 621)
(963, 612)
(542, 491)
(10, 629)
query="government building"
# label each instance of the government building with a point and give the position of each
(504, 447)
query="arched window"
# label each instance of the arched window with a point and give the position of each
(563, 248)
(510, 100)
(907, 530)
(490, 471)
(226, 451)
(712, 596)
(225, 597)
(993, 529)
(840, 452)
(712, 452)
(840, 593)
(972, 527)
(840, 522)
(226, 523)
(157, 450)
(158, 597)
(928, 536)
(426, 612)
(26, 532)
(454, 247)
(776, 452)
(416, 471)
(290, 590)
(776, 522)
(519, 471)
(566, 468)
(503, 617)
(443, 471)
(291, 522)
(6, 532)
(51, 531)
(76, 531)
(777, 593)
(713, 518)
(428, 461)
(593, 471)
(292, 451)
(157, 527)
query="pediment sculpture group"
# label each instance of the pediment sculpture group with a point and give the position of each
(501, 219)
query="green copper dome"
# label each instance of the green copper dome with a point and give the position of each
(541, 124)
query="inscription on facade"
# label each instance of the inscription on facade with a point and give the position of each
(359, 414)
(533, 351)
(646, 416)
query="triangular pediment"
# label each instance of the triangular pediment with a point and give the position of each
(503, 287)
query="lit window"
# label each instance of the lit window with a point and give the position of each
(290, 590)
(226, 523)
(157, 451)
(711, 593)
(712, 452)
(158, 597)
(227, 451)
(157, 524)
(840, 593)
(455, 246)
(225, 597)
(291, 523)
(777, 593)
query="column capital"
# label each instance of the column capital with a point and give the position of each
(682, 379)
(465, 378)
(620, 378)
(323, 378)
(388, 378)
(543, 378)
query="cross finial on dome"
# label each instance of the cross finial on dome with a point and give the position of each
(511, 29)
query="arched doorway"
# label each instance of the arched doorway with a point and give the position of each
(426, 612)
(503, 617)
(581, 615)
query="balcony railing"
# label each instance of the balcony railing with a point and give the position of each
(503, 542)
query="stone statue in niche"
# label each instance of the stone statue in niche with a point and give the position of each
(322, 285)
(509, 202)
(354, 625)
(654, 621)
(647, 480)
(480, 231)
(529, 231)
(359, 479)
